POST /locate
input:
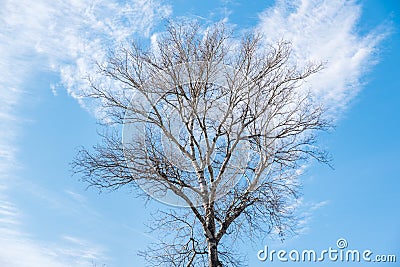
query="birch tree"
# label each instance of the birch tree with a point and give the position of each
(217, 128)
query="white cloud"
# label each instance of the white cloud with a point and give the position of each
(67, 37)
(320, 31)
(306, 212)
(62, 37)
(20, 248)
(325, 31)
(8, 213)
(76, 197)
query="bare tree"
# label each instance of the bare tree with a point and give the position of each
(217, 126)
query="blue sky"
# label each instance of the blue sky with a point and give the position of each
(48, 218)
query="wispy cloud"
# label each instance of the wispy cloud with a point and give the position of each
(326, 31)
(306, 212)
(62, 38)
(76, 196)
(97, 29)
(67, 37)
(20, 248)
(320, 31)
(8, 213)
(8, 125)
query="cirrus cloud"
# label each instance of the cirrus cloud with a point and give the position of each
(326, 31)
(47, 37)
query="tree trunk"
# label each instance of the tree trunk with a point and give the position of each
(213, 260)
(212, 242)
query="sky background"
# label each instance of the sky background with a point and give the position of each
(48, 218)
